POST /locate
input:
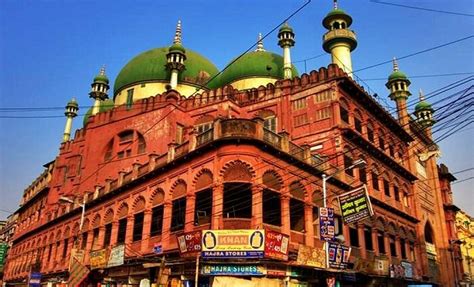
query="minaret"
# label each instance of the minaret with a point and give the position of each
(398, 84)
(286, 40)
(424, 114)
(176, 57)
(99, 90)
(340, 41)
(71, 112)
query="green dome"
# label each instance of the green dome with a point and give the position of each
(397, 75)
(105, 106)
(150, 66)
(336, 14)
(255, 64)
(285, 28)
(101, 78)
(177, 47)
(72, 103)
(423, 106)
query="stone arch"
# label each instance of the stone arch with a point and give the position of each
(109, 216)
(237, 170)
(157, 197)
(75, 228)
(203, 179)
(265, 113)
(344, 103)
(204, 119)
(85, 225)
(178, 189)
(67, 232)
(122, 211)
(401, 232)
(391, 228)
(297, 190)
(335, 205)
(411, 235)
(272, 179)
(138, 204)
(380, 224)
(96, 221)
(59, 234)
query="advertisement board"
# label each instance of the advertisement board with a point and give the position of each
(408, 269)
(326, 223)
(239, 243)
(98, 259)
(309, 256)
(3, 252)
(116, 256)
(355, 205)
(232, 269)
(34, 280)
(338, 255)
(276, 245)
(189, 243)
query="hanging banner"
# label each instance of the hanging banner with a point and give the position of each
(309, 256)
(116, 256)
(76, 254)
(239, 243)
(408, 269)
(98, 259)
(276, 245)
(189, 243)
(326, 224)
(338, 255)
(355, 205)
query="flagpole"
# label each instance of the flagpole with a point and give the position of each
(196, 279)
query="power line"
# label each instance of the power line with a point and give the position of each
(421, 8)
(425, 76)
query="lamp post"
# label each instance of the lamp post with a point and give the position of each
(356, 163)
(83, 207)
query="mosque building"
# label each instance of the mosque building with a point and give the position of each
(182, 173)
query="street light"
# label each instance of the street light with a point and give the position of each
(356, 163)
(83, 206)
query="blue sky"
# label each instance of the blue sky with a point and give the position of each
(50, 50)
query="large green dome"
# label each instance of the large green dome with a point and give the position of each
(254, 64)
(150, 66)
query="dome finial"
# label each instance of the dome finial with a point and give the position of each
(177, 35)
(102, 70)
(260, 43)
(421, 95)
(335, 4)
(395, 64)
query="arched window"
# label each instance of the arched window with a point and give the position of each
(271, 198)
(429, 236)
(381, 140)
(344, 111)
(158, 198)
(358, 121)
(370, 132)
(297, 192)
(269, 120)
(375, 178)
(347, 155)
(124, 145)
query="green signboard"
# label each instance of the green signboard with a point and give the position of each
(3, 252)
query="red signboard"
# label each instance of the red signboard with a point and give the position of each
(276, 245)
(189, 243)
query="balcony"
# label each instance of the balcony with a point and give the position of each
(339, 35)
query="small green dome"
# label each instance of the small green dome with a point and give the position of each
(423, 106)
(397, 75)
(177, 47)
(285, 28)
(106, 105)
(101, 79)
(151, 66)
(254, 64)
(336, 14)
(72, 103)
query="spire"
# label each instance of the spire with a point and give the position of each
(421, 95)
(395, 64)
(259, 43)
(102, 70)
(335, 4)
(177, 35)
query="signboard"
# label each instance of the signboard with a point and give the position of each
(276, 245)
(76, 254)
(408, 269)
(338, 255)
(309, 256)
(381, 266)
(158, 248)
(189, 243)
(355, 205)
(326, 223)
(3, 252)
(431, 250)
(98, 259)
(116, 256)
(34, 280)
(239, 243)
(232, 269)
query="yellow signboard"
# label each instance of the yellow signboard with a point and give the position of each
(233, 240)
(98, 259)
(309, 256)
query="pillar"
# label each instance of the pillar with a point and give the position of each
(257, 206)
(167, 210)
(361, 234)
(146, 230)
(217, 206)
(285, 214)
(113, 233)
(308, 225)
(375, 241)
(190, 211)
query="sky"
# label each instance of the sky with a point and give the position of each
(50, 50)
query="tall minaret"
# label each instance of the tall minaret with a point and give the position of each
(340, 41)
(286, 39)
(398, 84)
(99, 90)
(71, 112)
(176, 57)
(424, 114)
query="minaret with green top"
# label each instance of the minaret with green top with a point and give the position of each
(340, 41)
(424, 114)
(99, 90)
(176, 57)
(71, 112)
(286, 40)
(398, 84)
